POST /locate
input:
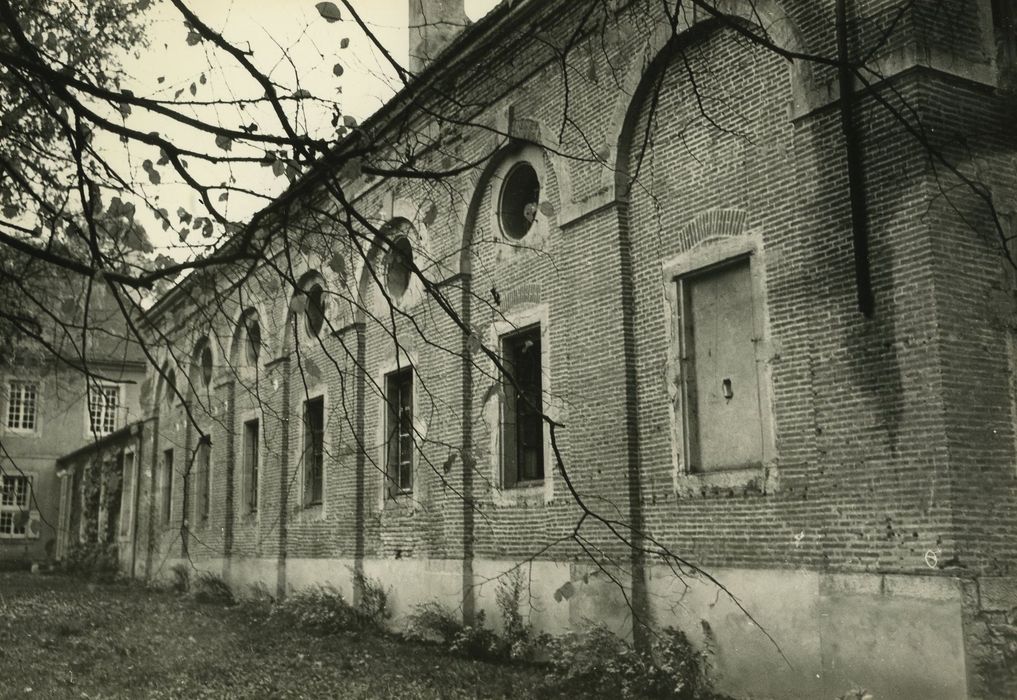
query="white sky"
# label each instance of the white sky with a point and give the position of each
(291, 43)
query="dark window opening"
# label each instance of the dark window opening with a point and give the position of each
(204, 480)
(400, 260)
(1004, 22)
(520, 197)
(253, 344)
(314, 314)
(171, 385)
(251, 465)
(206, 365)
(523, 434)
(399, 399)
(314, 449)
(167, 485)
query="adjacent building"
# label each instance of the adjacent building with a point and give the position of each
(54, 399)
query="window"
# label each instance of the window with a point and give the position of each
(204, 478)
(167, 485)
(22, 406)
(523, 428)
(520, 198)
(170, 392)
(314, 313)
(399, 429)
(252, 338)
(251, 465)
(127, 496)
(1004, 22)
(397, 273)
(720, 382)
(14, 505)
(103, 403)
(204, 366)
(314, 449)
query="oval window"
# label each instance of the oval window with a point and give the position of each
(520, 197)
(253, 341)
(314, 315)
(400, 260)
(206, 365)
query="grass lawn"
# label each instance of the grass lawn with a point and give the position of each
(64, 638)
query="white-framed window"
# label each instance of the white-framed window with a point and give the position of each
(103, 408)
(523, 423)
(15, 501)
(399, 436)
(22, 406)
(519, 438)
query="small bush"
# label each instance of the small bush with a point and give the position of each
(324, 610)
(598, 663)
(476, 641)
(518, 634)
(373, 606)
(181, 581)
(211, 588)
(434, 622)
(95, 561)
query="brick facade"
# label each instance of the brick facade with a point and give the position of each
(886, 499)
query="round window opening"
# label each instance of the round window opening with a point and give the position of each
(520, 197)
(399, 262)
(206, 365)
(315, 312)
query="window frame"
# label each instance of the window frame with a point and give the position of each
(91, 387)
(127, 495)
(251, 468)
(530, 493)
(394, 487)
(203, 484)
(8, 404)
(715, 254)
(166, 487)
(307, 497)
(18, 511)
(511, 463)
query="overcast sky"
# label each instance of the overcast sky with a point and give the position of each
(290, 42)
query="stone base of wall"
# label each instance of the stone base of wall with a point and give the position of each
(813, 636)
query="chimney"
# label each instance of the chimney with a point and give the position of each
(433, 26)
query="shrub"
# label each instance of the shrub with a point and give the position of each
(373, 606)
(433, 621)
(93, 560)
(211, 588)
(518, 634)
(324, 610)
(181, 581)
(476, 641)
(597, 663)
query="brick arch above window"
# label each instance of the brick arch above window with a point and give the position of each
(715, 223)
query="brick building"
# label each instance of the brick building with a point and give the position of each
(772, 335)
